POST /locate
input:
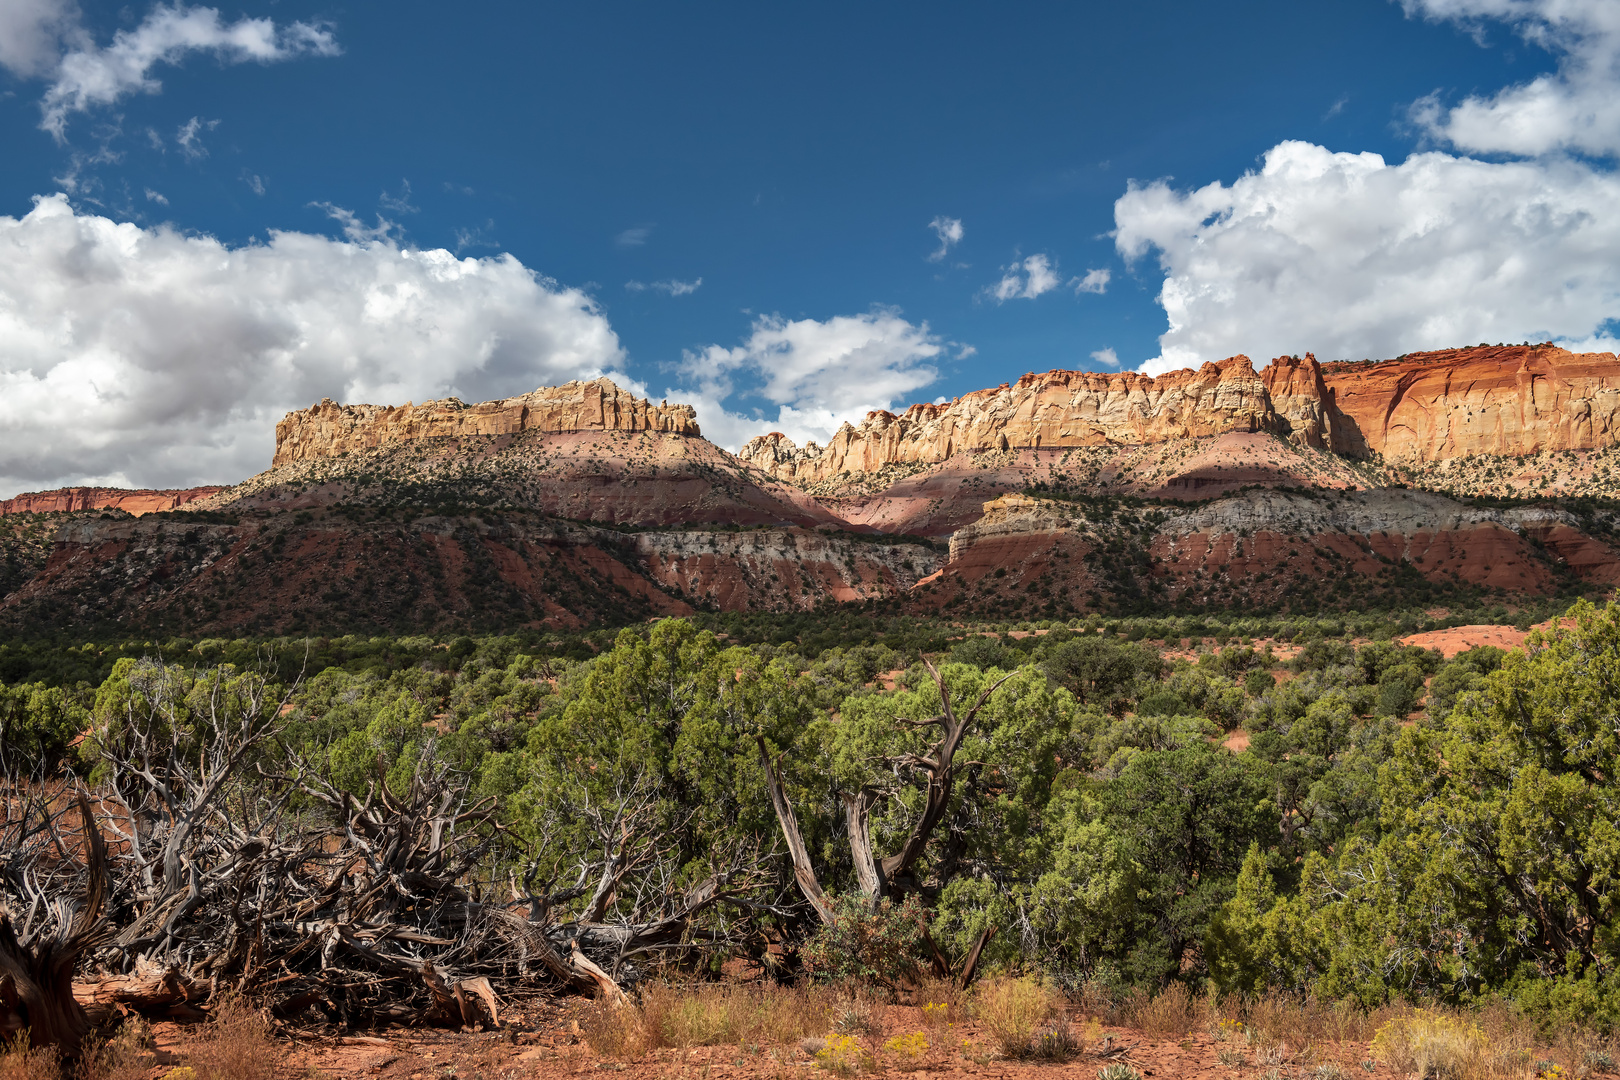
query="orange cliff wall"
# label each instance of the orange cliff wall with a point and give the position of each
(96, 498)
(329, 429)
(1509, 400)
(1421, 407)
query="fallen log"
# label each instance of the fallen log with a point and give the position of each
(152, 990)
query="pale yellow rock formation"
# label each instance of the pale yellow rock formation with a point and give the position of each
(329, 429)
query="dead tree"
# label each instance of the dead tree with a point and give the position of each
(892, 873)
(53, 883)
(627, 875)
(236, 866)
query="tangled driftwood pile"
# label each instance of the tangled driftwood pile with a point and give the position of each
(201, 863)
(192, 870)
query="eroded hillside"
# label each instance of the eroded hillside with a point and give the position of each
(1301, 486)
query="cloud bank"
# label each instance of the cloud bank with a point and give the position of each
(815, 374)
(1576, 108)
(147, 357)
(1351, 257)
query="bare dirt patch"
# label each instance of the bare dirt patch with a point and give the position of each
(1462, 638)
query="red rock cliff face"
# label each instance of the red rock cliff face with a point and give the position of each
(1513, 399)
(1422, 407)
(329, 429)
(1052, 411)
(63, 500)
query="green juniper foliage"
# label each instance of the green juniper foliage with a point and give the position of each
(1306, 806)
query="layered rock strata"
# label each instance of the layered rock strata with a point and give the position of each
(1423, 407)
(329, 429)
(69, 500)
(1508, 400)
(1053, 411)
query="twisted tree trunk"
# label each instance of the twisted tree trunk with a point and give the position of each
(36, 969)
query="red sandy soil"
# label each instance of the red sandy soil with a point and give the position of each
(1462, 638)
(544, 1043)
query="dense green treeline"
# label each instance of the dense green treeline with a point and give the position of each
(1363, 820)
(56, 659)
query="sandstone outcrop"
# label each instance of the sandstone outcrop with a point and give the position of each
(329, 429)
(1507, 400)
(1056, 410)
(1423, 407)
(66, 500)
(1303, 402)
(1009, 515)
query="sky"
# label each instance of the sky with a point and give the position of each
(786, 217)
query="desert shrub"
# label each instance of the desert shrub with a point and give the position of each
(854, 1013)
(125, 1056)
(1118, 1070)
(1428, 1043)
(234, 1045)
(1167, 1015)
(863, 941)
(706, 1014)
(941, 1000)
(841, 1055)
(1012, 1010)
(909, 1051)
(1057, 1040)
(19, 1061)
(613, 1032)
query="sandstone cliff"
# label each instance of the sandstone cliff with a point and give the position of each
(66, 500)
(1057, 410)
(1509, 400)
(329, 429)
(1424, 407)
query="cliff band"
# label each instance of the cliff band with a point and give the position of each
(329, 429)
(69, 500)
(1505, 400)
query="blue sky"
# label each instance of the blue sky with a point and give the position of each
(737, 204)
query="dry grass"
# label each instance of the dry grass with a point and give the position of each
(855, 1012)
(1310, 1021)
(1495, 1044)
(942, 1002)
(1012, 1010)
(1170, 1015)
(235, 1044)
(125, 1056)
(19, 1062)
(711, 1014)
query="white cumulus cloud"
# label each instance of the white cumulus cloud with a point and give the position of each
(1105, 357)
(949, 231)
(1095, 281)
(149, 357)
(816, 374)
(1351, 257)
(88, 75)
(1575, 108)
(1025, 280)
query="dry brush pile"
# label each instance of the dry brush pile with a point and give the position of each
(195, 868)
